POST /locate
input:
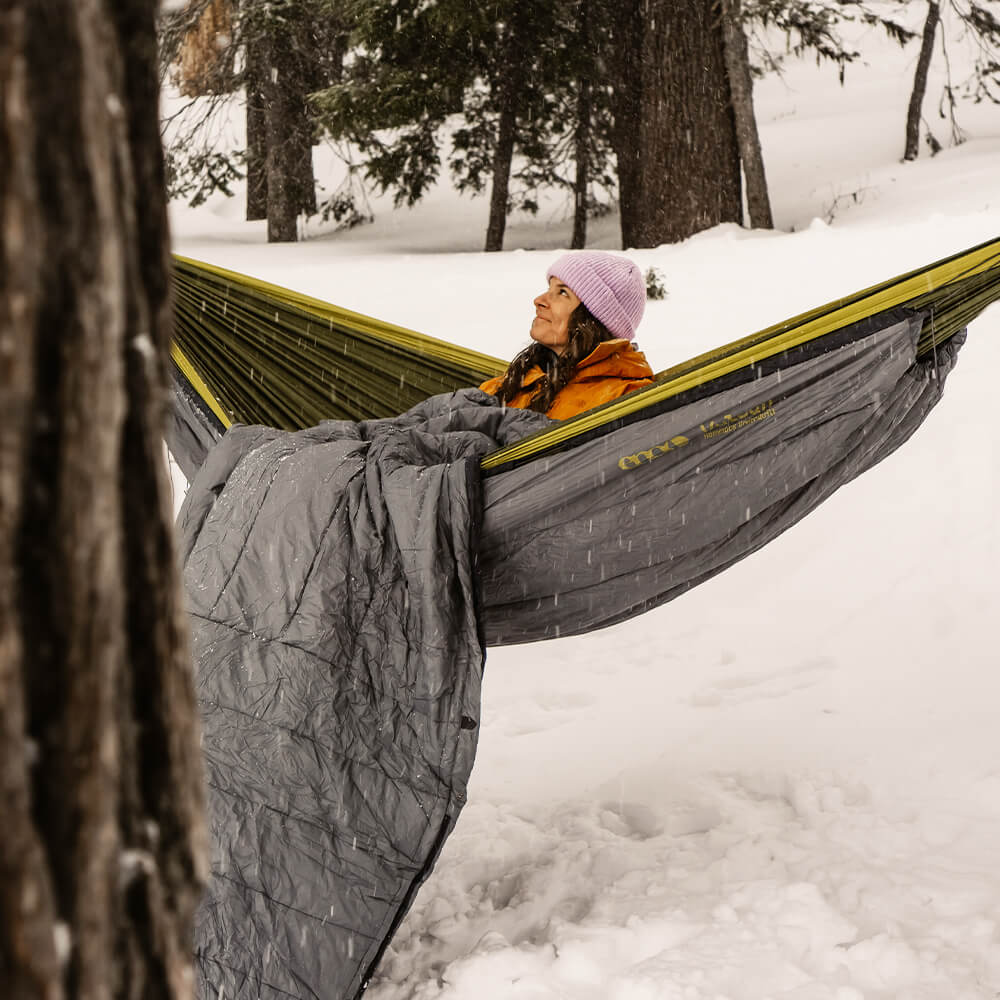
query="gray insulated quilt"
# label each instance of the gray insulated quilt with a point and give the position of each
(344, 579)
(334, 617)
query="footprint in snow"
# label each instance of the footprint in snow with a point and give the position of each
(754, 687)
(631, 819)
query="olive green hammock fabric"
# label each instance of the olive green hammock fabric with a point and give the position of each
(601, 517)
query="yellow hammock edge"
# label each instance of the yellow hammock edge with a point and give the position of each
(198, 384)
(762, 345)
(756, 347)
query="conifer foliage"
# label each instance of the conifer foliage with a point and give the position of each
(496, 72)
(644, 102)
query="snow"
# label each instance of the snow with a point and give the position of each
(785, 784)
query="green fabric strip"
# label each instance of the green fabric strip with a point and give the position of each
(270, 356)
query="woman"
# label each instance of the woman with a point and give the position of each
(582, 355)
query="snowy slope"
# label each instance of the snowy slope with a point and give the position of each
(785, 784)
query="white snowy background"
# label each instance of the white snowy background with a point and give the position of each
(785, 784)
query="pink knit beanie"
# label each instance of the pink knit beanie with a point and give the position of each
(611, 287)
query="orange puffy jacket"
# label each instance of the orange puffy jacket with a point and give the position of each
(612, 369)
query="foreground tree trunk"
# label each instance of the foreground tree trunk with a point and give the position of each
(913, 112)
(102, 851)
(678, 159)
(747, 136)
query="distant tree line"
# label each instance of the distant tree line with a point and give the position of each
(647, 104)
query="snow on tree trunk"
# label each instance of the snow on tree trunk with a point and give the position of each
(741, 87)
(913, 112)
(678, 159)
(102, 853)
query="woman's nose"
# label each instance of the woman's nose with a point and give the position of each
(541, 300)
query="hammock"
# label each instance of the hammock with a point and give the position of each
(604, 516)
(339, 640)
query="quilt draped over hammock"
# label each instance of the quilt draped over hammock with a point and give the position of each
(329, 575)
(343, 581)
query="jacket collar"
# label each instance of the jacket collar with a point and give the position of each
(617, 356)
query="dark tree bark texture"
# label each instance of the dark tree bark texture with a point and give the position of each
(256, 129)
(509, 88)
(748, 138)
(626, 103)
(678, 159)
(102, 853)
(503, 157)
(288, 70)
(913, 113)
(581, 183)
(581, 142)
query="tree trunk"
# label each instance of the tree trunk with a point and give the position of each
(206, 58)
(291, 187)
(684, 173)
(920, 81)
(741, 87)
(581, 183)
(256, 126)
(581, 141)
(102, 853)
(626, 100)
(503, 157)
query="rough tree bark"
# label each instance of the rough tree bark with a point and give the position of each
(288, 69)
(747, 136)
(509, 89)
(626, 104)
(254, 73)
(503, 158)
(912, 146)
(102, 853)
(678, 159)
(581, 140)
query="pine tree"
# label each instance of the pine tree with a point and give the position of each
(500, 71)
(281, 51)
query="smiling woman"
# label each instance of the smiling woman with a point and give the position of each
(584, 324)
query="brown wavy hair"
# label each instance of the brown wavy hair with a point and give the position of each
(585, 333)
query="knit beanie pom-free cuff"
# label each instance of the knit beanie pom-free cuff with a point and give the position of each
(611, 287)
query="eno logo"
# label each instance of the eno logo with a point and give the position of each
(645, 457)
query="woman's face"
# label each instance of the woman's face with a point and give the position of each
(553, 309)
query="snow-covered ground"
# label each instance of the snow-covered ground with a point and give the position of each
(785, 784)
